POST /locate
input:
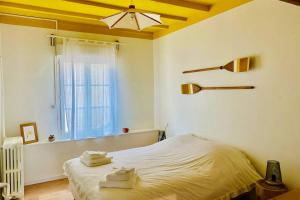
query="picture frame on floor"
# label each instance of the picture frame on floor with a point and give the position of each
(29, 133)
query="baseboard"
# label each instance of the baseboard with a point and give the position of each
(53, 178)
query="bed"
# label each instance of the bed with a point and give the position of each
(183, 167)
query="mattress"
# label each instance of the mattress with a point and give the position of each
(180, 168)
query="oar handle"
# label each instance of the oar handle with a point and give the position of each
(228, 88)
(202, 70)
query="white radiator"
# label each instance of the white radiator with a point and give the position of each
(12, 168)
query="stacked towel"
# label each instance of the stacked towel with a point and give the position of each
(95, 158)
(94, 154)
(120, 178)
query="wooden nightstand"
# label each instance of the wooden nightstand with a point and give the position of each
(292, 195)
(265, 191)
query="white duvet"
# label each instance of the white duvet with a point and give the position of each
(179, 168)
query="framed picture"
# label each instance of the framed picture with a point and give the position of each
(29, 133)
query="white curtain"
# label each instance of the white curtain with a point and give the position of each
(87, 89)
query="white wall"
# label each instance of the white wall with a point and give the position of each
(263, 122)
(28, 74)
(2, 113)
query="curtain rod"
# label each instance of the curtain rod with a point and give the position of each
(86, 40)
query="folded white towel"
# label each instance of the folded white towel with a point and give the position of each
(94, 160)
(115, 176)
(94, 154)
(123, 170)
(119, 184)
(92, 163)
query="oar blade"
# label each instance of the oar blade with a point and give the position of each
(190, 88)
(238, 65)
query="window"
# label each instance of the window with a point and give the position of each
(87, 90)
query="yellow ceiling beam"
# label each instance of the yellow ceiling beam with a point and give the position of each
(73, 26)
(122, 8)
(186, 4)
(161, 26)
(49, 10)
(5, 19)
(59, 12)
(219, 7)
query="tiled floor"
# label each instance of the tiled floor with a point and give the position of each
(54, 190)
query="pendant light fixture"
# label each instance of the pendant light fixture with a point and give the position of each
(132, 19)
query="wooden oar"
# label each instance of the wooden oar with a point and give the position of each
(191, 88)
(237, 65)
